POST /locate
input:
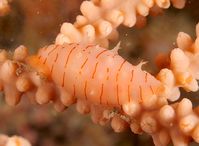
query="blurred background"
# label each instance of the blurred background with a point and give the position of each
(36, 23)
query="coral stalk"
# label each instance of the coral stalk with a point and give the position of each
(182, 70)
(100, 19)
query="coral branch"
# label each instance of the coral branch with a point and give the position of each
(100, 19)
(19, 76)
(183, 68)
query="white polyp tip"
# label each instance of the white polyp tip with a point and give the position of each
(174, 94)
(184, 41)
(105, 28)
(20, 53)
(89, 32)
(65, 26)
(135, 128)
(129, 22)
(178, 58)
(131, 109)
(179, 3)
(61, 39)
(163, 3)
(166, 114)
(90, 10)
(22, 84)
(81, 20)
(148, 124)
(143, 10)
(67, 100)
(191, 84)
(8, 70)
(188, 123)
(82, 107)
(166, 76)
(149, 3)
(119, 18)
(184, 107)
(177, 53)
(118, 124)
(44, 94)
